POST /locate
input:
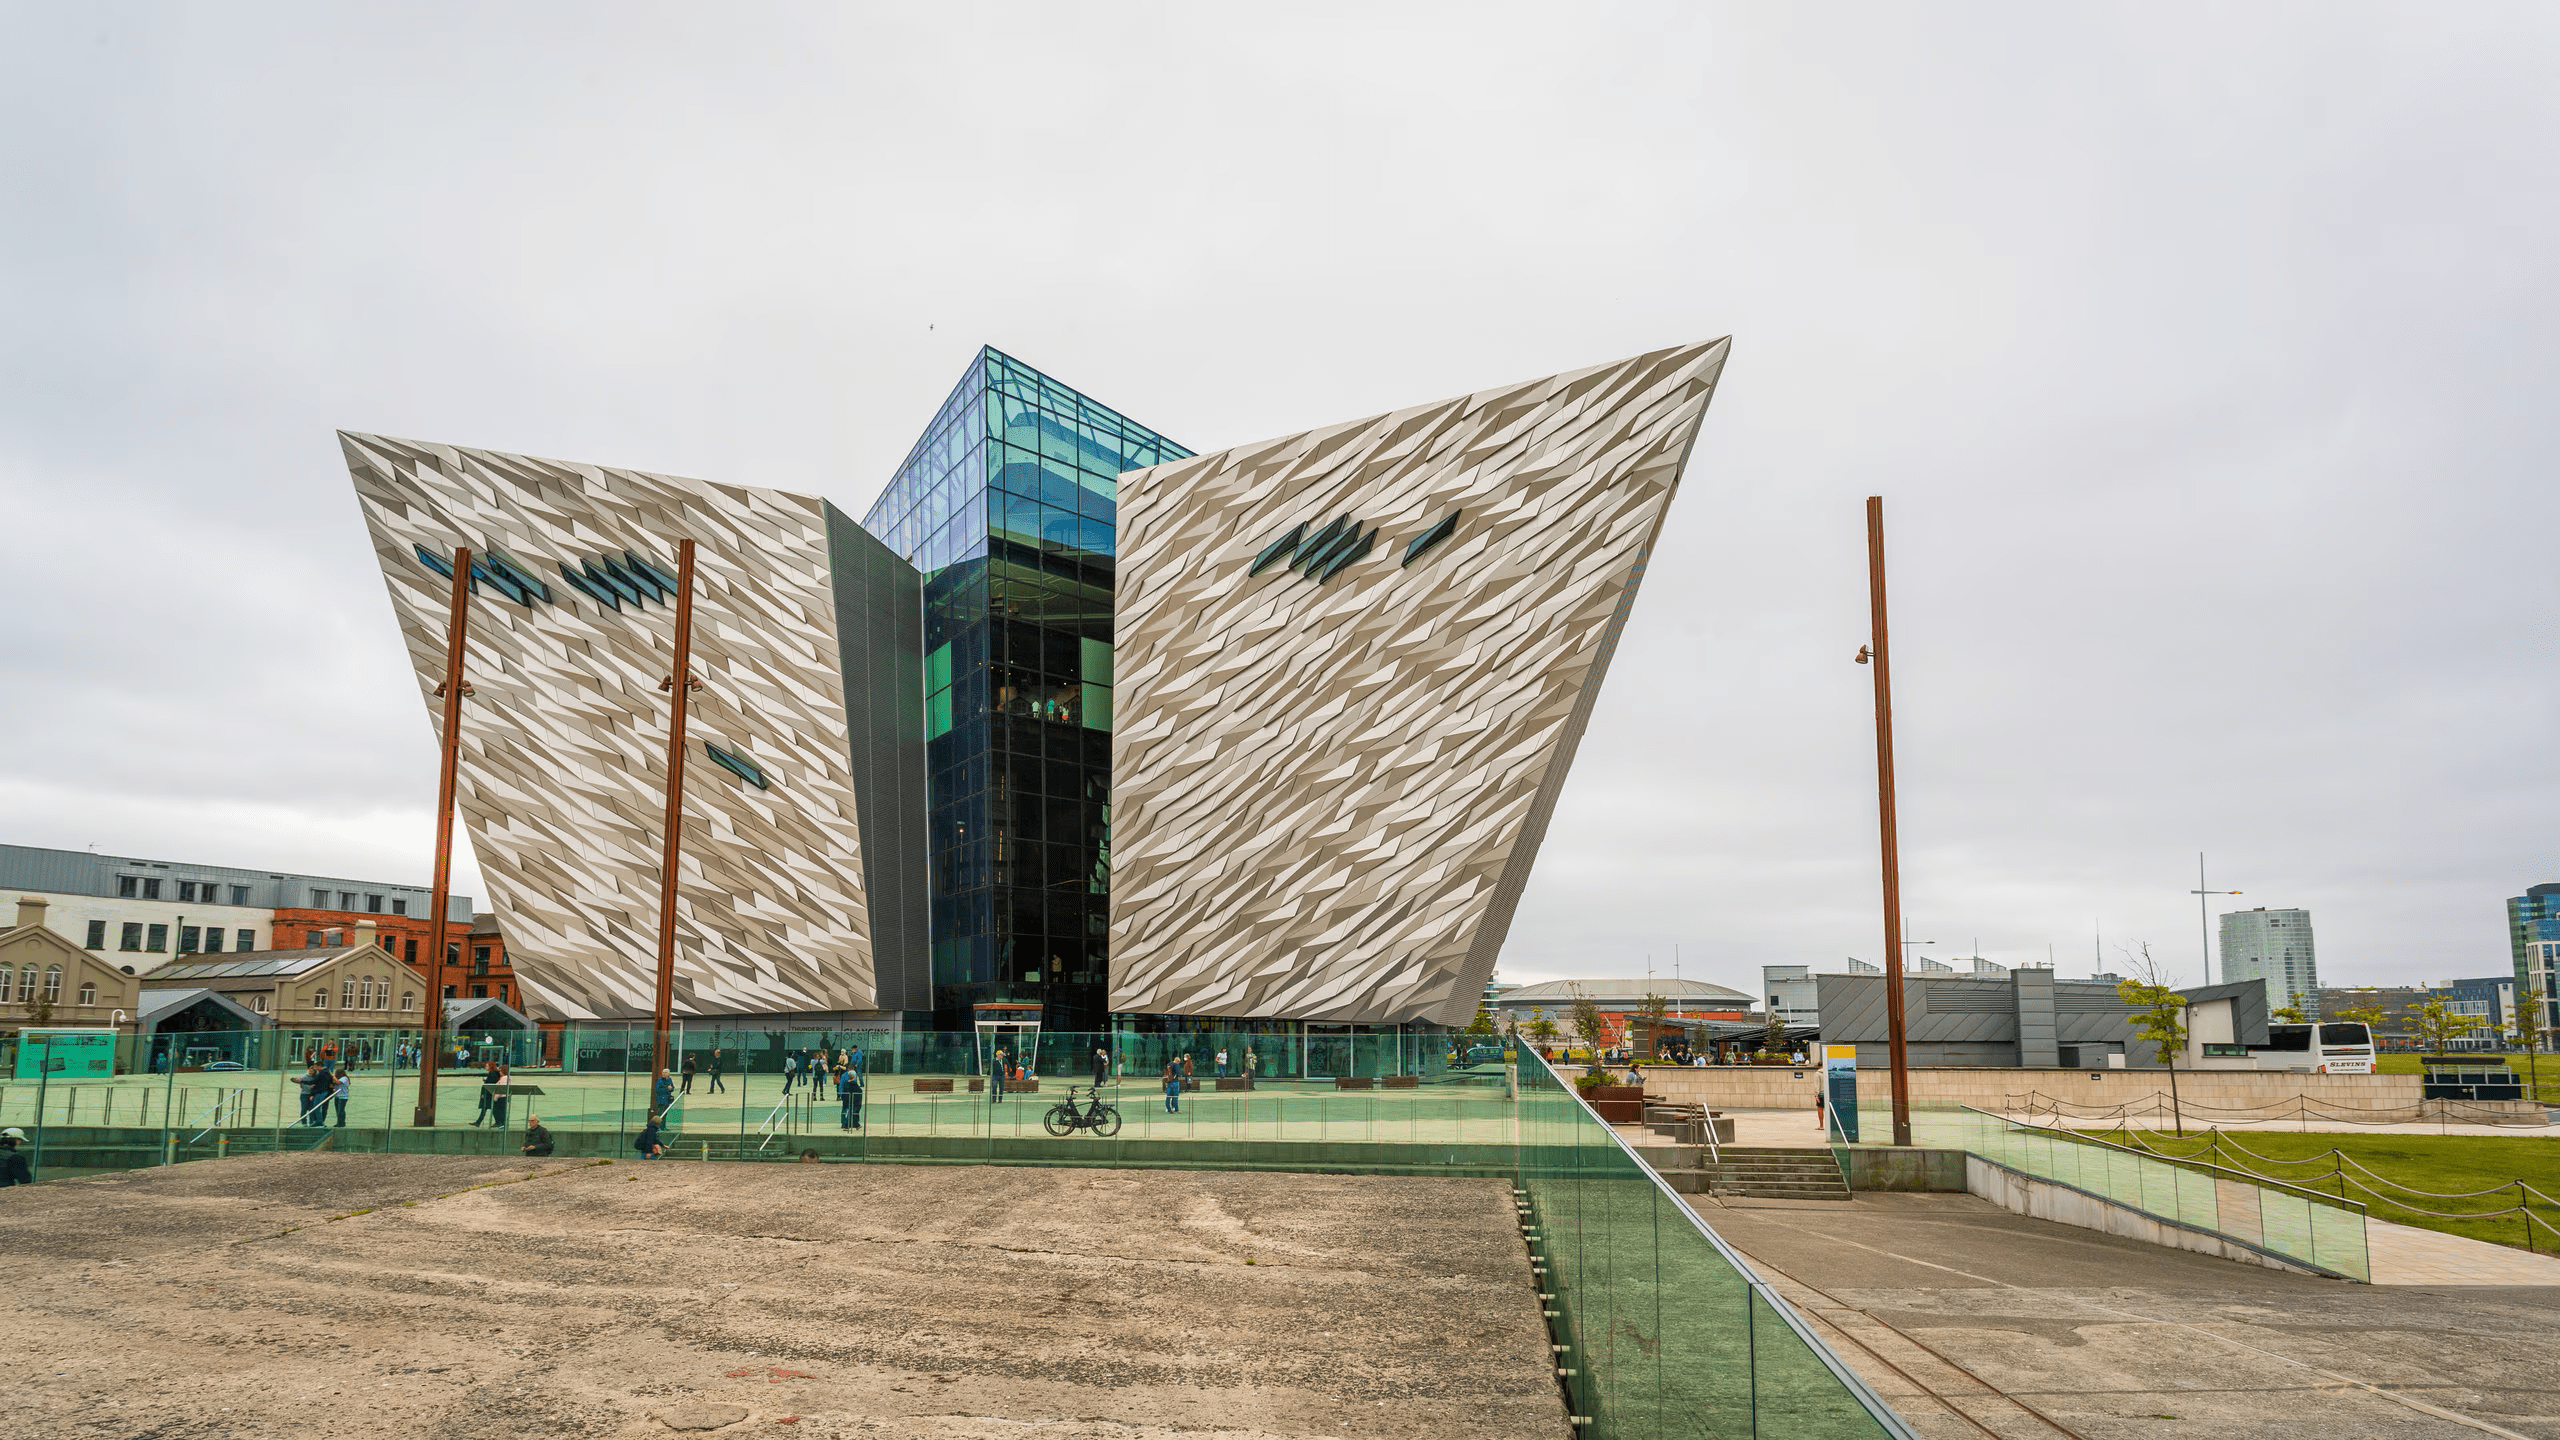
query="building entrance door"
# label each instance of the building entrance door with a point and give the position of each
(1328, 1051)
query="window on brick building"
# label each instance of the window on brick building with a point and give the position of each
(448, 992)
(159, 939)
(128, 886)
(311, 939)
(346, 899)
(319, 899)
(97, 934)
(132, 938)
(409, 952)
(213, 939)
(245, 940)
(190, 939)
(399, 907)
(479, 992)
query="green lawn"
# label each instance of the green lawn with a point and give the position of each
(2544, 1070)
(2443, 1164)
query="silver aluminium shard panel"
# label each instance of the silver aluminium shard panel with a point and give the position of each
(1329, 778)
(563, 757)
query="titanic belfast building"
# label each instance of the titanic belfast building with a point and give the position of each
(1072, 717)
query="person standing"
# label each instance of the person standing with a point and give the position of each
(662, 1096)
(849, 1098)
(498, 1102)
(1222, 1063)
(1252, 1062)
(315, 1095)
(14, 1169)
(1172, 1088)
(338, 1088)
(488, 1093)
(1188, 1083)
(1101, 1066)
(716, 1086)
(1004, 1062)
(688, 1074)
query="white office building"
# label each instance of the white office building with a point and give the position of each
(2273, 946)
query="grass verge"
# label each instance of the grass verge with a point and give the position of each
(2443, 1164)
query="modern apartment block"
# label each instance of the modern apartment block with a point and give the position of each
(2533, 945)
(150, 912)
(2274, 946)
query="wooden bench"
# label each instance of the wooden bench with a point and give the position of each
(1354, 1082)
(1235, 1082)
(1403, 1082)
(935, 1087)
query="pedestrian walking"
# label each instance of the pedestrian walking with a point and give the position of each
(688, 1074)
(790, 1071)
(849, 1098)
(14, 1169)
(488, 1093)
(498, 1101)
(341, 1083)
(1252, 1062)
(537, 1139)
(1172, 1088)
(716, 1086)
(662, 1096)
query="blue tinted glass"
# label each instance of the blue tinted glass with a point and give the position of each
(1096, 536)
(1058, 486)
(1057, 528)
(1098, 498)
(1021, 520)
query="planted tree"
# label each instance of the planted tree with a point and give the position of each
(2288, 1015)
(2530, 1026)
(1774, 1039)
(1484, 1021)
(1656, 1010)
(2439, 1026)
(1590, 1027)
(2159, 1019)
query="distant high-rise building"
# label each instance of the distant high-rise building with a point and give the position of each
(2274, 946)
(2531, 917)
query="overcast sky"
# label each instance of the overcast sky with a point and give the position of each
(2204, 355)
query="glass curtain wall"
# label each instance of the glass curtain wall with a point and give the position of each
(1008, 506)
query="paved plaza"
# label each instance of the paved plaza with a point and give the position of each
(445, 1297)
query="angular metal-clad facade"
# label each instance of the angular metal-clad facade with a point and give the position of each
(801, 887)
(1353, 666)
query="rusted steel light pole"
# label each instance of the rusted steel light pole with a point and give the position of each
(456, 635)
(1880, 656)
(680, 683)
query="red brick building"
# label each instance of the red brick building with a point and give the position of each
(475, 955)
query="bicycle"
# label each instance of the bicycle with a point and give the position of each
(1065, 1119)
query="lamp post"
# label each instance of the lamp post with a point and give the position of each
(456, 635)
(2204, 932)
(1877, 653)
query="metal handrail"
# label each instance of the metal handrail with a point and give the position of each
(1884, 1414)
(229, 1097)
(2243, 1176)
(767, 1128)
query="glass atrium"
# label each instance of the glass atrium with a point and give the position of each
(1007, 506)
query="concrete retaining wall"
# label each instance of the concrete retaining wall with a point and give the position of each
(1940, 1171)
(2064, 1205)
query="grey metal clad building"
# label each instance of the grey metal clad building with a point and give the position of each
(2025, 1018)
(2274, 946)
(80, 872)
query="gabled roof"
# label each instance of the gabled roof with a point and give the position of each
(158, 1005)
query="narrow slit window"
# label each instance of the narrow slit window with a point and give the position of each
(738, 765)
